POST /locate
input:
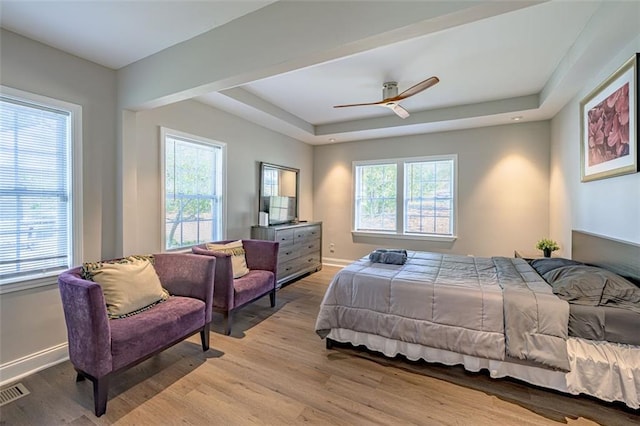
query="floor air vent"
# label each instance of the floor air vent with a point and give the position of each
(12, 393)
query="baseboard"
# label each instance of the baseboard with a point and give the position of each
(17, 369)
(329, 261)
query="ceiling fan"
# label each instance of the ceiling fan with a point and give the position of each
(391, 99)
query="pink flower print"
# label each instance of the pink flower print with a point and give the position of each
(609, 127)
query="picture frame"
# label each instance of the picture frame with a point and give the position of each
(609, 125)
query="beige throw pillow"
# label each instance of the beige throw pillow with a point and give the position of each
(129, 287)
(238, 259)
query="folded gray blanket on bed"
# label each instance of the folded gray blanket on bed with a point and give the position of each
(389, 256)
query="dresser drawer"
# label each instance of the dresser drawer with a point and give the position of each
(287, 268)
(287, 252)
(307, 233)
(310, 260)
(308, 246)
(284, 237)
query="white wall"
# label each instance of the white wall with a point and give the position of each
(609, 207)
(503, 189)
(32, 326)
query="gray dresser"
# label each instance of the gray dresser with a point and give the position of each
(300, 247)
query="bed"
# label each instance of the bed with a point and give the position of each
(559, 324)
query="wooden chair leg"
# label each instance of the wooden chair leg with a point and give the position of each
(204, 336)
(329, 343)
(100, 394)
(79, 376)
(272, 297)
(228, 317)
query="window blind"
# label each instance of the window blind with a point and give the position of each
(35, 198)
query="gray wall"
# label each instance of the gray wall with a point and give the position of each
(247, 145)
(509, 194)
(609, 207)
(32, 329)
(31, 320)
(503, 189)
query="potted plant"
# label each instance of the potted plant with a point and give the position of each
(547, 246)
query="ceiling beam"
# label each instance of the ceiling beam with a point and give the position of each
(285, 36)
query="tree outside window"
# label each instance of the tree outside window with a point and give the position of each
(193, 191)
(414, 196)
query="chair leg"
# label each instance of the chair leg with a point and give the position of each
(204, 336)
(329, 343)
(100, 394)
(79, 376)
(272, 297)
(228, 317)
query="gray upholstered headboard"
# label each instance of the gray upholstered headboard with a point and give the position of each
(621, 257)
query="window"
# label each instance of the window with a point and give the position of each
(428, 197)
(270, 182)
(40, 188)
(193, 188)
(376, 189)
(409, 198)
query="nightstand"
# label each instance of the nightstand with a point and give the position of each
(529, 255)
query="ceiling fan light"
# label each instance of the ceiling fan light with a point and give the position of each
(400, 112)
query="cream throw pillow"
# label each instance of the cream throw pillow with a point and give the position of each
(129, 287)
(238, 259)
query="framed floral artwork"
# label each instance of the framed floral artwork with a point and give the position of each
(609, 125)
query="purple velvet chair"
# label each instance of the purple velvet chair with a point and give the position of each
(229, 293)
(100, 347)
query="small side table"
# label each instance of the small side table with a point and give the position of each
(529, 255)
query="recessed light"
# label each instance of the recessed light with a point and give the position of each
(332, 139)
(517, 118)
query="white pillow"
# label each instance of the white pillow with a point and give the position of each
(238, 259)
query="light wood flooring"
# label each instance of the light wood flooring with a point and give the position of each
(275, 370)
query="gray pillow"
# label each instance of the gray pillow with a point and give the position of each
(593, 286)
(546, 264)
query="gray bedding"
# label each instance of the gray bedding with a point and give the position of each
(608, 323)
(456, 303)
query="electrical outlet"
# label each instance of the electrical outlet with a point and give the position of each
(332, 247)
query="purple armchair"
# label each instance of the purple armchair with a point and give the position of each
(229, 293)
(100, 347)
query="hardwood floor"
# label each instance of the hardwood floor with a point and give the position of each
(275, 370)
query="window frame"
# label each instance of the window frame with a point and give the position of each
(195, 139)
(74, 176)
(399, 232)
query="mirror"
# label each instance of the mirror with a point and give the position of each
(279, 193)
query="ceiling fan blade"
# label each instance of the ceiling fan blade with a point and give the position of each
(423, 85)
(352, 105)
(400, 112)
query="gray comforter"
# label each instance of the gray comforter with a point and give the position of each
(486, 307)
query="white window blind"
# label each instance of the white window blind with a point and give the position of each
(35, 189)
(193, 190)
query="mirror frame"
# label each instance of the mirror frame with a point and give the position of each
(261, 203)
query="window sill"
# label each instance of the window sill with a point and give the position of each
(25, 283)
(394, 236)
